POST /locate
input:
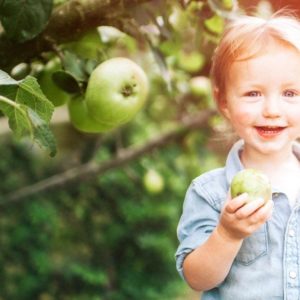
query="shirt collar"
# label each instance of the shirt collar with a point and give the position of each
(233, 163)
(296, 150)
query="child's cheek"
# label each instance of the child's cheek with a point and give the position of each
(243, 118)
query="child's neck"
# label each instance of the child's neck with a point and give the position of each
(269, 163)
(276, 167)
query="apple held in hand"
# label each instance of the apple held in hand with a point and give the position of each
(117, 89)
(253, 182)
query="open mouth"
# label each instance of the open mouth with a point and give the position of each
(269, 131)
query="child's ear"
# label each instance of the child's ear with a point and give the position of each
(221, 102)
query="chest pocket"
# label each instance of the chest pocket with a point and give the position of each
(253, 247)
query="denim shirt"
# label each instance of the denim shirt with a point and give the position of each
(267, 265)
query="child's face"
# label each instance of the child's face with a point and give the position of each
(262, 99)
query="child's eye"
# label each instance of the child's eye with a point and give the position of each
(289, 93)
(253, 94)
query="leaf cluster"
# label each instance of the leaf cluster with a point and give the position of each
(171, 32)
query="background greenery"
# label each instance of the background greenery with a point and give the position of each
(104, 234)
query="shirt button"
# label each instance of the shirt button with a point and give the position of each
(292, 274)
(291, 232)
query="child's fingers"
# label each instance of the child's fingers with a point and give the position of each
(234, 204)
(264, 213)
(249, 208)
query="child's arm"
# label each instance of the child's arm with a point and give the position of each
(208, 265)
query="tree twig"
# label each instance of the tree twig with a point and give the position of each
(90, 169)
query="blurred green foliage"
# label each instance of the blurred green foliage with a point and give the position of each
(104, 239)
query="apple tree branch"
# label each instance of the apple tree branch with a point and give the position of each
(91, 168)
(66, 23)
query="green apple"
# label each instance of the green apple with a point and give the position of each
(200, 86)
(56, 95)
(228, 4)
(190, 62)
(117, 89)
(80, 118)
(153, 182)
(215, 24)
(20, 71)
(253, 182)
(88, 45)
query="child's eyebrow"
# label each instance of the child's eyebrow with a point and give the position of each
(293, 81)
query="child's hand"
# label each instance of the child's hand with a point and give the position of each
(240, 219)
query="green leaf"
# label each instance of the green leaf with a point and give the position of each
(66, 82)
(90, 66)
(31, 95)
(23, 20)
(29, 112)
(39, 110)
(17, 118)
(42, 133)
(75, 66)
(8, 86)
(5, 79)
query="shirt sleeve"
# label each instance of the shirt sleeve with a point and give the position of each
(198, 220)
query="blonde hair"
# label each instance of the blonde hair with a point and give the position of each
(247, 36)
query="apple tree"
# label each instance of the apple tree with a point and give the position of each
(116, 96)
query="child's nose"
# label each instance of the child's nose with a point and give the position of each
(271, 108)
